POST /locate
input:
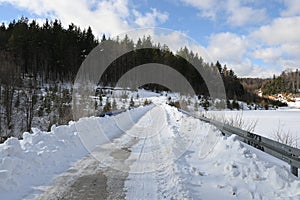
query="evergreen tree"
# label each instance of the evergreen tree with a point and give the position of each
(131, 103)
(229, 105)
(235, 105)
(205, 104)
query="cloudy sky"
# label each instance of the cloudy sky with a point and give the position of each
(256, 38)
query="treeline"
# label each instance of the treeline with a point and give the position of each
(184, 61)
(52, 53)
(34, 61)
(48, 52)
(287, 82)
(38, 64)
(254, 84)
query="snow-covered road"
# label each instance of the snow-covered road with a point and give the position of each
(168, 155)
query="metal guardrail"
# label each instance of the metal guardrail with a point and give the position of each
(281, 151)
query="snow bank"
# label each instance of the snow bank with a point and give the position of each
(212, 166)
(40, 156)
(235, 170)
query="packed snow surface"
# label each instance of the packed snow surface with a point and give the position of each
(173, 157)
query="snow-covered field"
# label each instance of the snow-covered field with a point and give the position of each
(171, 156)
(286, 120)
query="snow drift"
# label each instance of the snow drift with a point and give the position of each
(40, 156)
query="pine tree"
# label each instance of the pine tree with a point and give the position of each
(146, 102)
(229, 105)
(205, 104)
(235, 105)
(131, 103)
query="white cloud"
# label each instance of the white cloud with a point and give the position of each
(292, 49)
(234, 13)
(108, 16)
(289, 64)
(280, 31)
(104, 16)
(204, 4)
(275, 45)
(292, 8)
(242, 15)
(279, 42)
(150, 19)
(227, 47)
(248, 69)
(270, 55)
(230, 49)
(33, 6)
(207, 7)
(286, 55)
(234, 51)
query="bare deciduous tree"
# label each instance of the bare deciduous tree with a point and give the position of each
(237, 120)
(285, 136)
(240, 122)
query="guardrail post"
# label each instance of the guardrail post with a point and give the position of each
(294, 170)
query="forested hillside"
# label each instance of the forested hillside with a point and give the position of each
(254, 84)
(51, 53)
(48, 52)
(38, 64)
(287, 82)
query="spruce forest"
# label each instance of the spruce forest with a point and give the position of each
(38, 64)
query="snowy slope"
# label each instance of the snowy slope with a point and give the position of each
(172, 156)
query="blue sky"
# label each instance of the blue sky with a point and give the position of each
(256, 38)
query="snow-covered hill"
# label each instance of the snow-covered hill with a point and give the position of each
(168, 156)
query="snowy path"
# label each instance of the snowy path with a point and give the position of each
(154, 173)
(91, 179)
(164, 155)
(167, 155)
(139, 165)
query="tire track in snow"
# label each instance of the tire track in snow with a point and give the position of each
(141, 184)
(175, 186)
(160, 151)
